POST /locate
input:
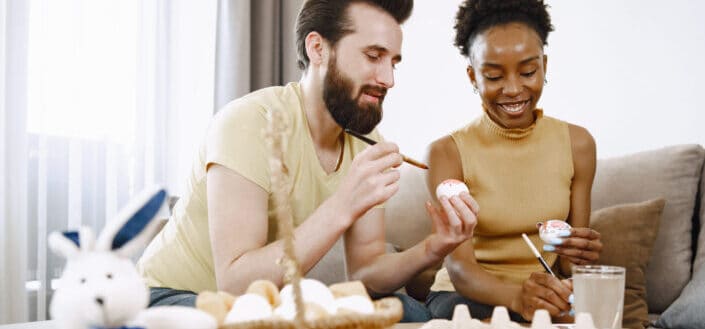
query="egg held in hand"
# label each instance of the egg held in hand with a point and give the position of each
(450, 187)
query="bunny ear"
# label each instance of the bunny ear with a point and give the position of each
(132, 220)
(64, 243)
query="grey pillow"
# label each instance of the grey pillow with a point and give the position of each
(688, 311)
(674, 174)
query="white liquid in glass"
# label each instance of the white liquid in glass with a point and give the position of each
(601, 295)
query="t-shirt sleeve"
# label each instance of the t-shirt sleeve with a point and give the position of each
(235, 140)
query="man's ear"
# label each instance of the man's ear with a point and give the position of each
(471, 75)
(316, 48)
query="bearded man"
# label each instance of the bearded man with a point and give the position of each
(223, 234)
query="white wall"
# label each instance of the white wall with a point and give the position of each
(631, 71)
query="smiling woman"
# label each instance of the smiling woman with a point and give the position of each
(521, 167)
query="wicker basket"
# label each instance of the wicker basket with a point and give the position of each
(388, 311)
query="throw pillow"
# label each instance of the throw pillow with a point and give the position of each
(628, 232)
(688, 310)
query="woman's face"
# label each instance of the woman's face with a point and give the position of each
(508, 69)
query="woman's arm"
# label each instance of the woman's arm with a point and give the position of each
(469, 278)
(584, 245)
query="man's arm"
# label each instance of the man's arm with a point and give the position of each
(238, 218)
(238, 225)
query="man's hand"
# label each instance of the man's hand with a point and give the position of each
(543, 291)
(371, 180)
(452, 225)
(583, 246)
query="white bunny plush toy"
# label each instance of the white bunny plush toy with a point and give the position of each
(100, 287)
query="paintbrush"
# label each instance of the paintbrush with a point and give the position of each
(537, 254)
(373, 142)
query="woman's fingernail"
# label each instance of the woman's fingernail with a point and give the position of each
(548, 247)
(556, 241)
(571, 298)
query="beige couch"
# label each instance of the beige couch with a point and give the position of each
(673, 173)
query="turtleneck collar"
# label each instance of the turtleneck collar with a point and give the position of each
(511, 133)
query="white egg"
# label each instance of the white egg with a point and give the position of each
(249, 307)
(313, 291)
(355, 303)
(450, 187)
(286, 311)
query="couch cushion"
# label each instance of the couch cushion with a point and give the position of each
(628, 234)
(406, 220)
(331, 268)
(674, 174)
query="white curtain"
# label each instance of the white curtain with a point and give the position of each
(98, 98)
(13, 159)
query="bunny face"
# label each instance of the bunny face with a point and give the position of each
(99, 289)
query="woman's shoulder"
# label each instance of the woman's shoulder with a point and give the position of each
(580, 139)
(442, 147)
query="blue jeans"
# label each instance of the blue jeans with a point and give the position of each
(441, 304)
(168, 297)
(414, 311)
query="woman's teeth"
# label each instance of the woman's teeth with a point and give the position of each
(513, 108)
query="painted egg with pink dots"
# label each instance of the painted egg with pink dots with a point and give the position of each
(450, 187)
(553, 229)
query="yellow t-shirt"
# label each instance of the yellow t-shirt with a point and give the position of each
(519, 177)
(180, 256)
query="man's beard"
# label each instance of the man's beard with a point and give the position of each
(347, 111)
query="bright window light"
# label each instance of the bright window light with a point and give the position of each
(83, 68)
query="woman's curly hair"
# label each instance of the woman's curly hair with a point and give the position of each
(476, 16)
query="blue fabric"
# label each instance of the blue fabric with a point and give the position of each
(139, 220)
(414, 311)
(73, 236)
(441, 304)
(168, 296)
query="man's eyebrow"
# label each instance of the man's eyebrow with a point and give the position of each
(382, 49)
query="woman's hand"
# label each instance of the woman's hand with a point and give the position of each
(582, 247)
(543, 291)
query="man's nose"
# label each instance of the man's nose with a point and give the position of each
(385, 75)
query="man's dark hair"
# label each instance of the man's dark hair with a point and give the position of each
(329, 18)
(476, 16)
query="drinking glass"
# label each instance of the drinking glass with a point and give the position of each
(599, 290)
